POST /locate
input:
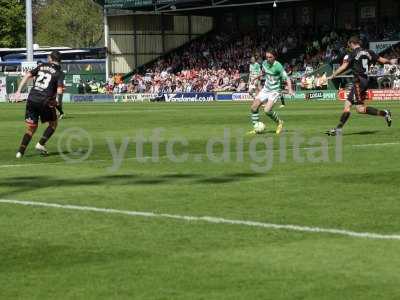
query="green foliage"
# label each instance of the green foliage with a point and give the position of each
(73, 23)
(12, 23)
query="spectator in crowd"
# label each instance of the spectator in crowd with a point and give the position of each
(88, 90)
(80, 87)
(242, 86)
(310, 82)
(318, 82)
(111, 81)
(118, 79)
(382, 79)
(94, 87)
(324, 81)
(396, 83)
(102, 88)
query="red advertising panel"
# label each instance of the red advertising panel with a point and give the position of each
(385, 94)
(378, 95)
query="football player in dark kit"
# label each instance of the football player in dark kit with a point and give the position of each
(359, 60)
(46, 93)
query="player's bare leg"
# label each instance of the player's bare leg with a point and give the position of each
(282, 102)
(40, 146)
(273, 115)
(59, 107)
(254, 113)
(369, 110)
(343, 119)
(30, 131)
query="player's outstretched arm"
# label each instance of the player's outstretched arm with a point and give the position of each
(339, 70)
(60, 88)
(384, 61)
(24, 80)
(60, 92)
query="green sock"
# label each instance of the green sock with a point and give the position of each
(255, 117)
(274, 116)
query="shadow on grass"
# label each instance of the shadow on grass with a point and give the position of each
(33, 183)
(56, 153)
(273, 132)
(379, 178)
(365, 132)
(41, 254)
(67, 153)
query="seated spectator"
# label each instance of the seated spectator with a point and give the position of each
(102, 89)
(310, 82)
(80, 86)
(132, 87)
(118, 79)
(94, 87)
(88, 89)
(242, 87)
(318, 82)
(396, 83)
(383, 77)
(111, 81)
(303, 83)
(324, 81)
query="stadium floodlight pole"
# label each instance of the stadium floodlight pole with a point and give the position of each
(29, 35)
(106, 44)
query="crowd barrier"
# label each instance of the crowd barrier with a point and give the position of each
(313, 95)
(190, 97)
(133, 97)
(330, 95)
(299, 95)
(91, 98)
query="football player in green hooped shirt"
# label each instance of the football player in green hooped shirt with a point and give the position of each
(271, 91)
(254, 77)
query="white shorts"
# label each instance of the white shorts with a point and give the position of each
(268, 96)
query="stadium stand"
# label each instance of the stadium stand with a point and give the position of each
(219, 61)
(310, 38)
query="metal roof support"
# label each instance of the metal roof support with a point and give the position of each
(221, 4)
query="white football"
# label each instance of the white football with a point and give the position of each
(259, 127)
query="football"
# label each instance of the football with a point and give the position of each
(259, 127)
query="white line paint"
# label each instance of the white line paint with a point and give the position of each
(366, 235)
(164, 156)
(377, 144)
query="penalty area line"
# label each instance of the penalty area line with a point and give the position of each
(208, 219)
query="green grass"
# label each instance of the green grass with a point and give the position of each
(48, 253)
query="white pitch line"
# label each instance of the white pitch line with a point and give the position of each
(215, 220)
(166, 156)
(377, 144)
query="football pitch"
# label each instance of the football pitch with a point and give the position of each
(174, 201)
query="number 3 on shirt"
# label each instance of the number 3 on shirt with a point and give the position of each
(43, 80)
